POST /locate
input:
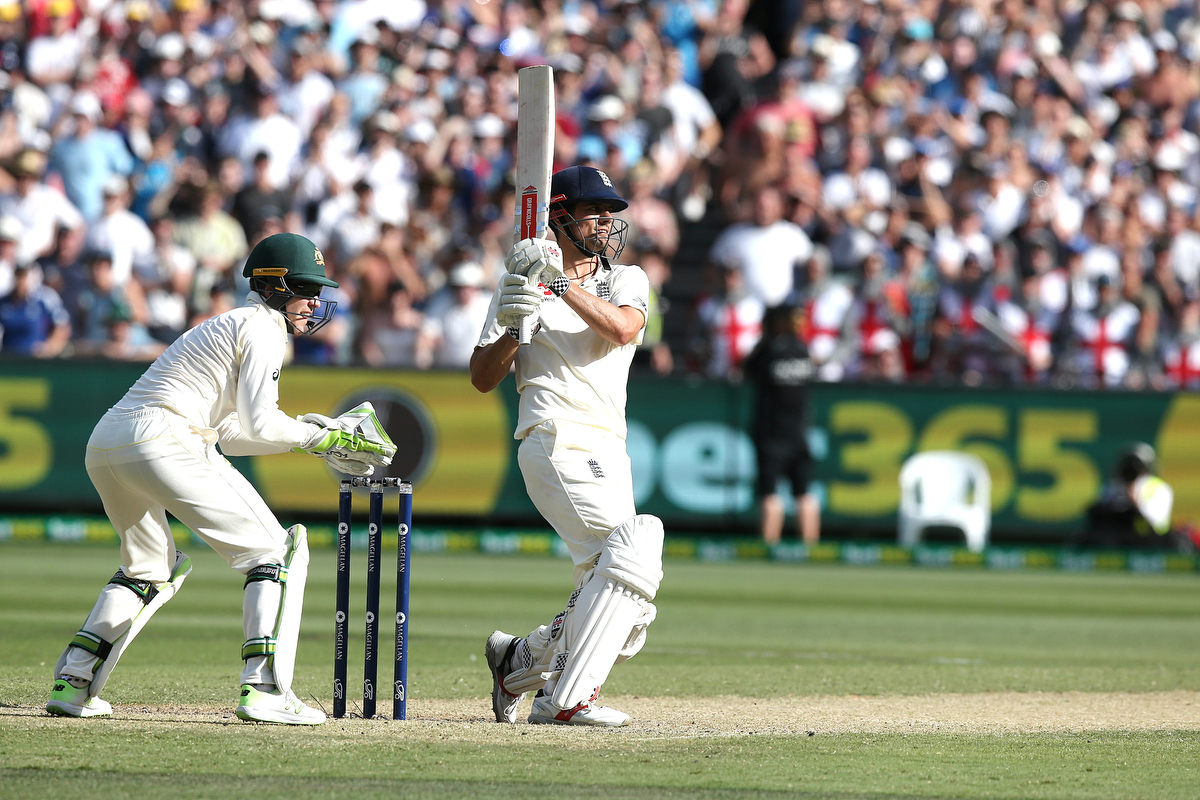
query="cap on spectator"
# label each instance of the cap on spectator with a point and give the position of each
(421, 131)
(567, 62)
(384, 121)
(1165, 41)
(29, 162)
(115, 185)
(11, 229)
(85, 104)
(95, 254)
(176, 92)
(823, 44)
(446, 39)
(438, 59)
(1078, 128)
(897, 149)
(10, 11)
(1025, 68)
(60, 8)
(170, 46)
(608, 107)
(184, 6)
(1047, 45)
(1104, 282)
(577, 25)
(468, 273)
(488, 126)
(916, 235)
(1128, 11)
(261, 33)
(1170, 158)
(272, 10)
(368, 35)
(919, 29)
(138, 10)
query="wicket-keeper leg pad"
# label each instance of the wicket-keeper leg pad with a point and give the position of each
(124, 607)
(612, 611)
(271, 613)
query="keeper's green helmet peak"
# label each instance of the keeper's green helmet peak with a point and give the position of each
(289, 256)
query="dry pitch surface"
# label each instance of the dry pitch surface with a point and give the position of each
(668, 718)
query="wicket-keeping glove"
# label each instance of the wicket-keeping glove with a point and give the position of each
(356, 435)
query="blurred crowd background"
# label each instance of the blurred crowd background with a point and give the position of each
(973, 192)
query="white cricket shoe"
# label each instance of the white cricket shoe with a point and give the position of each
(545, 712)
(498, 651)
(275, 706)
(70, 701)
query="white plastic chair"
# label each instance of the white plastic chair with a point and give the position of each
(943, 487)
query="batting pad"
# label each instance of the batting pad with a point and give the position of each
(116, 594)
(597, 632)
(632, 554)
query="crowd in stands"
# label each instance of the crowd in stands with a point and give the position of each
(984, 191)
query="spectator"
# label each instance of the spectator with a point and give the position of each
(264, 130)
(389, 334)
(453, 318)
(167, 280)
(100, 300)
(655, 350)
(40, 209)
(649, 216)
(33, 321)
(358, 228)
(120, 232)
(260, 201)
(726, 325)
(87, 158)
(215, 240)
(52, 59)
(767, 249)
(63, 270)
(1104, 336)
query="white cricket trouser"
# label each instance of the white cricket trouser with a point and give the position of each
(581, 481)
(149, 462)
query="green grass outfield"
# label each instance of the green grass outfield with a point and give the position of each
(759, 680)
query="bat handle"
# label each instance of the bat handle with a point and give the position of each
(525, 331)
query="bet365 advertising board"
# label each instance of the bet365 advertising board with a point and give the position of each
(1048, 452)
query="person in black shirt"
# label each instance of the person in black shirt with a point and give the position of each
(780, 369)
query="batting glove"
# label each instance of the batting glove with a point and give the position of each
(519, 298)
(538, 260)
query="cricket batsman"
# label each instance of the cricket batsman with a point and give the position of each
(588, 316)
(156, 451)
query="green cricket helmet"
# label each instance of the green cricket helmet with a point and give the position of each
(284, 266)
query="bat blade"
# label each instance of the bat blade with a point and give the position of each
(535, 154)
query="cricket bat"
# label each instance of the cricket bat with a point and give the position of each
(535, 154)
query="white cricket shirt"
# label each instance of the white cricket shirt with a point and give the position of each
(227, 365)
(569, 372)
